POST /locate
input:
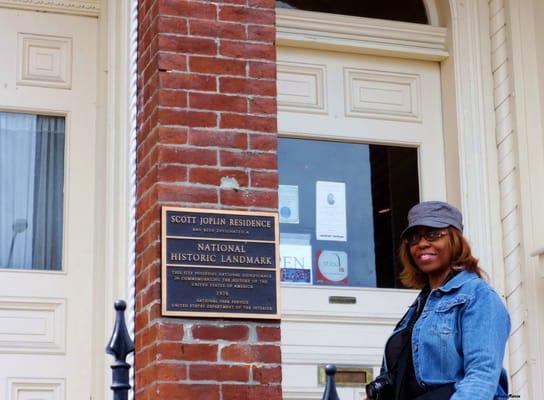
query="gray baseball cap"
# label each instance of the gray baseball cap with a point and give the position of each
(435, 214)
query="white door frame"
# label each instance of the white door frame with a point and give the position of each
(117, 107)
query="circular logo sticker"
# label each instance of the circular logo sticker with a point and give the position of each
(333, 265)
(285, 212)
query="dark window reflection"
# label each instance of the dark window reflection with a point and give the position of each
(395, 189)
(396, 10)
(371, 186)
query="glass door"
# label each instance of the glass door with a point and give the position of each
(361, 142)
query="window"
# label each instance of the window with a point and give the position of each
(396, 10)
(31, 191)
(342, 208)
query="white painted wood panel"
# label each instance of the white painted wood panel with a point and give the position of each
(76, 7)
(32, 325)
(301, 87)
(382, 95)
(44, 61)
(49, 66)
(36, 389)
(423, 132)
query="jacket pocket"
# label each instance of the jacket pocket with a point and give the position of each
(447, 314)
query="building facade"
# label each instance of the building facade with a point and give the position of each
(338, 117)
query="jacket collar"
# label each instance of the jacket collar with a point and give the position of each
(457, 281)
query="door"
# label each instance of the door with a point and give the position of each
(48, 81)
(360, 142)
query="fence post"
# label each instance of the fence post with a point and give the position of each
(330, 387)
(120, 346)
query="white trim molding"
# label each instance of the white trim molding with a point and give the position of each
(348, 318)
(299, 355)
(474, 113)
(314, 30)
(539, 251)
(132, 112)
(522, 23)
(75, 7)
(509, 197)
(303, 393)
(117, 118)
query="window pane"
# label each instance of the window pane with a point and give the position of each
(31, 191)
(395, 10)
(342, 209)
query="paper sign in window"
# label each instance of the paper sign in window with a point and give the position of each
(330, 209)
(288, 207)
(295, 258)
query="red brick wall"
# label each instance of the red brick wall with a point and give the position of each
(206, 138)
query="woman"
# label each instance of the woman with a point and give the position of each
(450, 344)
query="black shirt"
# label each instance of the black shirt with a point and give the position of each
(402, 340)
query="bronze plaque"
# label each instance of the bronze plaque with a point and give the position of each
(220, 264)
(347, 375)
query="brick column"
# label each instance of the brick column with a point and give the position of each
(206, 138)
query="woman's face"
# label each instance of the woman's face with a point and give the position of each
(432, 255)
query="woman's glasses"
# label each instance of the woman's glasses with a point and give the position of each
(430, 235)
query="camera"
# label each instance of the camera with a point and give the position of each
(380, 388)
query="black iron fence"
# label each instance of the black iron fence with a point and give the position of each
(330, 387)
(121, 345)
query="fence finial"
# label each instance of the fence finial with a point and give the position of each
(120, 346)
(330, 387)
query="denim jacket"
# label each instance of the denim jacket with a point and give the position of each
(460, 337)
